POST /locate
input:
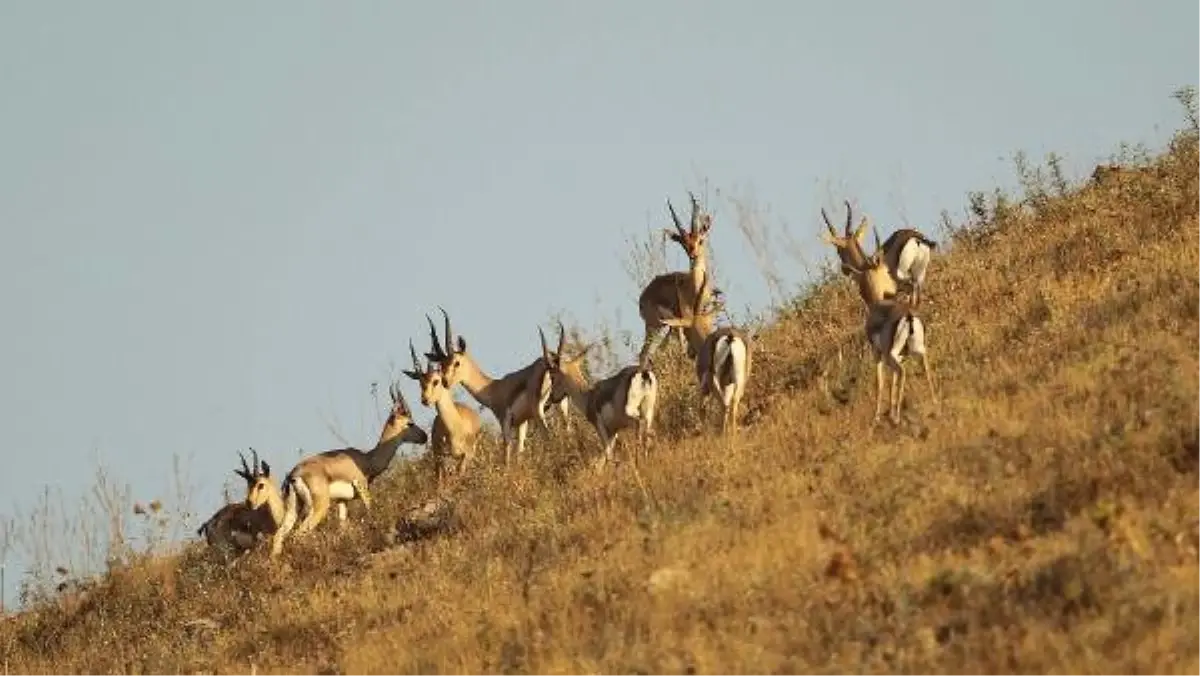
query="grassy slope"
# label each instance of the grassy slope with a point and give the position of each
(1043, 518)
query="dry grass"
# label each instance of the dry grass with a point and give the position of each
(1042, 519)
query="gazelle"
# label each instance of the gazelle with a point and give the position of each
(624, 400)
(907, 252)
(237, 526)
(660, 299)
(723, 357)
(337, 476)
(455, 431)
(893, 330)
(515, 398)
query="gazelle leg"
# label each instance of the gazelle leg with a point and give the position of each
(342, 511)
(878, 389)
(522, 433)
(506, 433)
(320, 507)
(928, 369)
(608, 442)
(285, 528)
(364, 493)
(565, 407)
(734, 405)
(900, 375)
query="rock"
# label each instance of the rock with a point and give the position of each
(434, 517)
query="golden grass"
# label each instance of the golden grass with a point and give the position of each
(1043, 518)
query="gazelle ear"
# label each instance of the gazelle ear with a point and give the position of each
(672, 235)
(412, 374)
(266, 468)
(462, 344)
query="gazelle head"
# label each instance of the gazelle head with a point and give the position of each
(848, 244)
(258, 480)
(699, 319)
(400, 421)
(561, 366)
(431, 378)
(695, 237)
(875, 281)
(449, 356)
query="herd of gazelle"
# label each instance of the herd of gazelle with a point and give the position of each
(679, 302)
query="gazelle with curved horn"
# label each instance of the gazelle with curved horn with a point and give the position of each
(660, 299)
(515, 398)
(338, 476)
(723, 357)
(848, 244)
(624, 400)
(894, 332)
(907, 253)
(237, 526)
(455, 431)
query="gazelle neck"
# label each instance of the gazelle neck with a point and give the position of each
(697, 334)
(275, 505)
(378, 459)
(873, 290)
(578, 390)
(447, 410)
(698, 269)
(476, 382)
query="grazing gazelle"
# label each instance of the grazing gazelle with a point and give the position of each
(624, 400)
(515, 398)
(237, 526)
(893, 330)
(660, 299)
(455, 430)
(723, 357)
(907, 253)
(337, 476)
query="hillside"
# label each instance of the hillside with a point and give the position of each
(1043, 518)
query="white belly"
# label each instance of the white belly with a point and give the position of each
(341, 490)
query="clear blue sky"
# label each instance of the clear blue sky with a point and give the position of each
(223, 220)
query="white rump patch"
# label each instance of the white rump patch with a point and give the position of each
(643, 385)
(729, 348)
(910, 264)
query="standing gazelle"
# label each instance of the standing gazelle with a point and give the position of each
(660, 299)
(624, 400)
(337, 476)
(723, 357)
(455, 431)
(515, 398)
(894, 331)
